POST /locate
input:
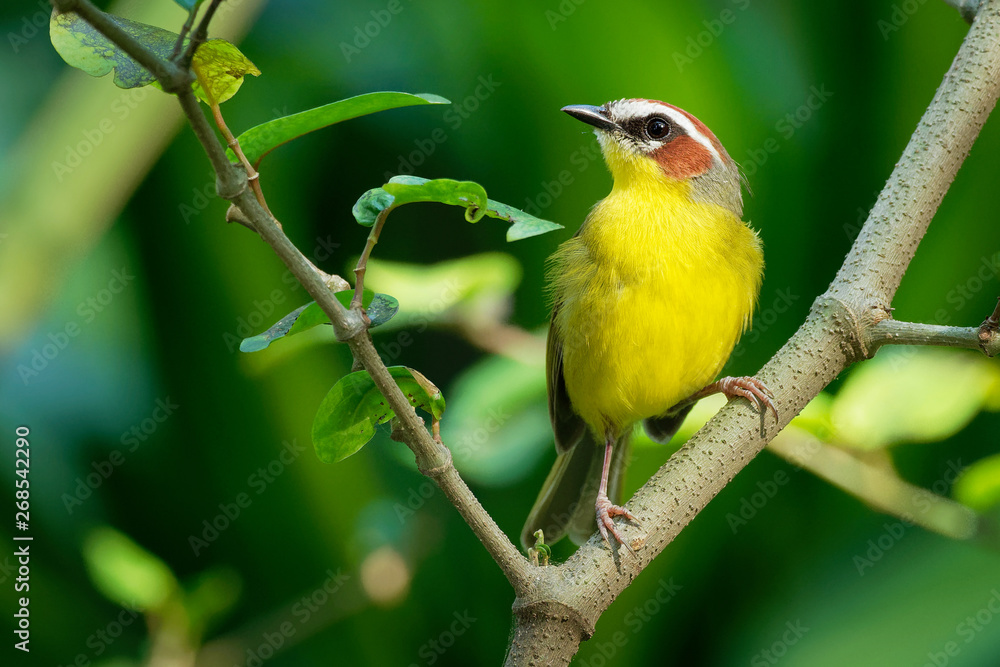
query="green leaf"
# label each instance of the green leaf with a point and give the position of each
(979, 485)
(260, 140)
(347, 416)
(371, 203)
(83, 47)
(278, 330)
(220, 68)
(126, 573)
(524, 224)
(406, 189)
(901, 396)
(380, 309)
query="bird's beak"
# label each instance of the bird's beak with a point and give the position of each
(591, 115)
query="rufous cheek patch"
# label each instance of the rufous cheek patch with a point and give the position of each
(682, 158)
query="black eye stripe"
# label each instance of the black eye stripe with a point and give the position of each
(639, 128)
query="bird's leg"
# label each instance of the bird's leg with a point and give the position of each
(606, 509)
(749, 388)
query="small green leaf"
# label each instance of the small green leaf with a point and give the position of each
(371, 203)
(524, 225)
(260, 140)
(347, 416)
(979, 485)
(83, 47)
(380, 309)
(406, 189)
(125, 572)
(220, 68)
(280, 329)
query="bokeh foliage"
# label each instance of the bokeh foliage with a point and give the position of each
(815, 100)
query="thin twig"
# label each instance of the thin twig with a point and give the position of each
(895, 332)
(185, 29)
(359, 271)
(253, 176)
(199, 36)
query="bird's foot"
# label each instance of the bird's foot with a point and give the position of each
(751, 389)
(605, 510)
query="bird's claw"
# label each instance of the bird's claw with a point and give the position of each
(605, 510)
(755, 391)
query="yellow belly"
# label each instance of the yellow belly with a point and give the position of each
(651, 304)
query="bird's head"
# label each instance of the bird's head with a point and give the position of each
(646, 141)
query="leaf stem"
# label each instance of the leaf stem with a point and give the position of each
(199, 36)
(359, 271)
(253, 176)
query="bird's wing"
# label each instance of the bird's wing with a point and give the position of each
(567, 425)
(662, 427)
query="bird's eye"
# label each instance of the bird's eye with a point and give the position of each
(657, 128)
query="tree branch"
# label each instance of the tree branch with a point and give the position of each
(832, 337)
(350, 326)
(895, 332)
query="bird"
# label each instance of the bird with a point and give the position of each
(649, 298)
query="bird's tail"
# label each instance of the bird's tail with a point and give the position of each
(565, 505)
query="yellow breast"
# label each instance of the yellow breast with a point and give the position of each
(652, 296)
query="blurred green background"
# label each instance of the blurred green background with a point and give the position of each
(148, 423)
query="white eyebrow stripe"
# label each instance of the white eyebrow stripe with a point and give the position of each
(632, 108)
